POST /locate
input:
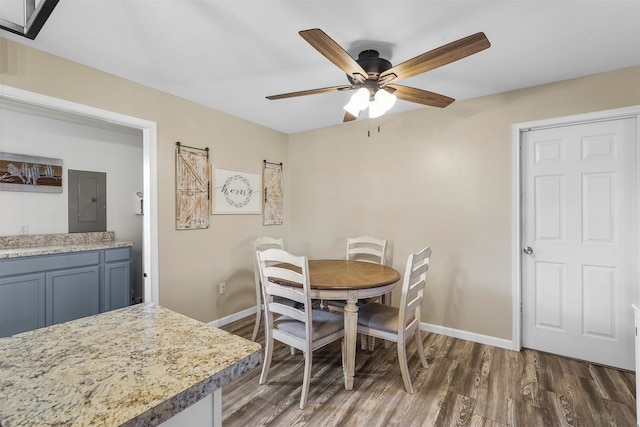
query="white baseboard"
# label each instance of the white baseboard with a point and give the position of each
(442, 330)
(469, 336)
(232, 317)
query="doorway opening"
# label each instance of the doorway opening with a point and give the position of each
(519, 132)
(148, 130)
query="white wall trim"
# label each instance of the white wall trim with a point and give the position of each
(466, 335)
(232, 317)
(150, 168)
(517, 131)
(442, 330)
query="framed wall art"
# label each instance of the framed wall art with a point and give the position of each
(20, 172)
(236, 192)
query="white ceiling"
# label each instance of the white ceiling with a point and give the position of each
(229, 55)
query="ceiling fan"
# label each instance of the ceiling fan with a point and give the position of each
(374, 78)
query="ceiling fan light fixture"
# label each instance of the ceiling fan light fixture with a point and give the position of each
(385, 98)
(358, 102)
(382, 102)
(376, 109)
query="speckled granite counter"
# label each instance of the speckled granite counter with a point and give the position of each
(45, 244)
(136, 366)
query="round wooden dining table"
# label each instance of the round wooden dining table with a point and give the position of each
(348, 280)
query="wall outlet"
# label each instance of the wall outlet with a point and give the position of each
(24, 229)
(223, 287)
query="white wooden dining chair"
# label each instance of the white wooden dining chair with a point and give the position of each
(367, 249)
(397, 323)
(260, 244)
(299, 325)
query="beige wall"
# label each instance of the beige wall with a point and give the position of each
(430, 176)
(191, 263)
(438, 177)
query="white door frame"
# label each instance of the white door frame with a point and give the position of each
(149, 167)
(518, 129)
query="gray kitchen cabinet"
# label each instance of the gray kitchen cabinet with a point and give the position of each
(44, 290)
(117, 278)
(72, 293)
(22, 304)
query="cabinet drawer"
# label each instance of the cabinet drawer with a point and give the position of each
(118, 254)
(34, 264)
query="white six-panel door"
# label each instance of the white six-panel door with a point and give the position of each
(579, 257)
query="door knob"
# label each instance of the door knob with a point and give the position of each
(527, 250)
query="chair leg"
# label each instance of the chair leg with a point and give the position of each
(420, 348)
(372, 343)
(306, 379)
(268, 341)
(404, 368)
(257, 325)
(363, 341)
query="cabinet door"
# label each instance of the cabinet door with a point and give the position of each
(22, 304)
(117, 285)
(72, 294)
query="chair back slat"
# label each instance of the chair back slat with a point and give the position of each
(283, 275)
(283, 288)
(413, 304)
(287, 310)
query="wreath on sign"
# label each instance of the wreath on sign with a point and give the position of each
(243, 195)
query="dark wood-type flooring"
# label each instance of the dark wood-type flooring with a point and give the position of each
(466, 384)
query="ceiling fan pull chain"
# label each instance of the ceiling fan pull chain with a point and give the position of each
(369, 130)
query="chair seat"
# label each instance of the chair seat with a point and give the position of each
(324, 323)
(379, 316)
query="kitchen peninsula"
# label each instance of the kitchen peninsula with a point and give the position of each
(135, 366)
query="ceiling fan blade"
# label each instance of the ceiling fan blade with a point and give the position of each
(348, 117)
(334, 53)
(420, 96)
(310, 92)
(437, 57)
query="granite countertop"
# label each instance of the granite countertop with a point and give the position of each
(136, 366)
(46, 244)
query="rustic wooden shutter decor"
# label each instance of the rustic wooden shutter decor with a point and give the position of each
(193, 193)
(272, 193)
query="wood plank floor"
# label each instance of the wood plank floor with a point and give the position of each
(466, 384)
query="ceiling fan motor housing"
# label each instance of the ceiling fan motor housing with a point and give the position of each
(371, 62)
